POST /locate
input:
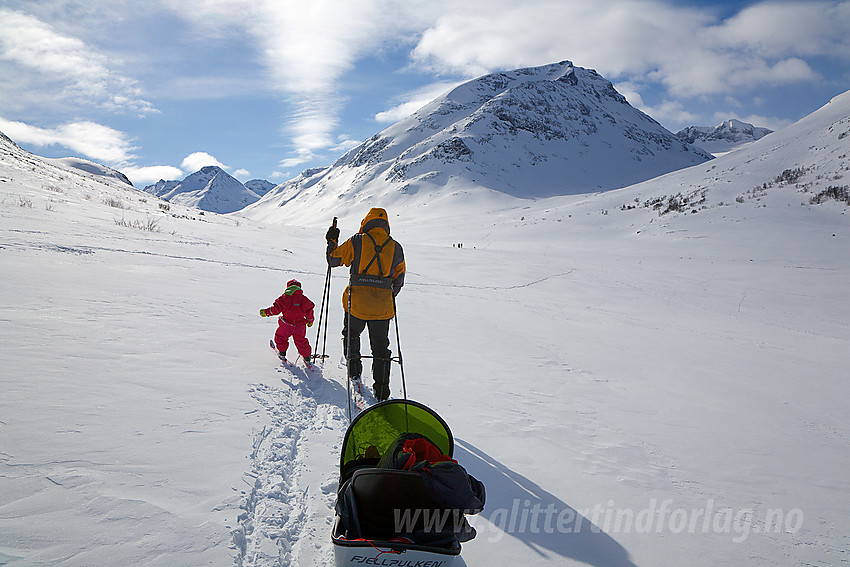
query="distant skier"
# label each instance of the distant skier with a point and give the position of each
(295, 312)
(377, 275)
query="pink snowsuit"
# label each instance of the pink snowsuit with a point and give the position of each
(295, 312)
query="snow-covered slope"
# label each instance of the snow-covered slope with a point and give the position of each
(89, 167)
(803, 164)
(633, 388)
(551, 130)
(723, 138)
(210, 189)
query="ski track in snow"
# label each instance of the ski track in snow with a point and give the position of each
(288, 511)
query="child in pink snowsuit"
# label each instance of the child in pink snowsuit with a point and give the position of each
(296, 314)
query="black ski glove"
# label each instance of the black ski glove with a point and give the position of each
(332, 235)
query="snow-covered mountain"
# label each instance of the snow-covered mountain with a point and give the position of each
(209, 189)
(536, 132)
(59, 166)
(161, 187)
(723, 138)
(259, 186)
(89, 167)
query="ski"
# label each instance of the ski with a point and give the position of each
(362, 395)
(283, 360)
(357, 394)
(309, 367)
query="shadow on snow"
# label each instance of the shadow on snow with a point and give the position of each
(510, 509)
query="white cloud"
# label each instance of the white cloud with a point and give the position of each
(242, 174)
(345, 143)
(671, 112)
(301, 157)
(96, 141)
(687, 49)
(631, 92)
(147, 175)
(413, 101)
(782, 29)
(198, 160)
(65, 67)
(400, 111)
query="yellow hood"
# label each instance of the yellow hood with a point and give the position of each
(375, 218)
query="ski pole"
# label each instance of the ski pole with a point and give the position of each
(323, 311)
(327, 307)
(323, 315)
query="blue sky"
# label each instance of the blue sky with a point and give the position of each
(266, 88)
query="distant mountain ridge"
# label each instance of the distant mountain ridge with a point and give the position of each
(259, 186)
(536, 132)
(724, 137)
(209, 189)
(68, 163)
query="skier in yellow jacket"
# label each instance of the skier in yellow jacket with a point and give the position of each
(377, 275)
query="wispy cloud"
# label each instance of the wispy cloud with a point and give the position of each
(64, 66)
(307, 48)
(96, 141)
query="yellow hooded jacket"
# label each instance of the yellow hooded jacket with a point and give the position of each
(376, 277)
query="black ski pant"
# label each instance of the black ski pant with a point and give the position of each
(379, 340)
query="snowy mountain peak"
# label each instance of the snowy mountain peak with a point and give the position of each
(259, 186)
(533, 132)
(210, 188)
(726, 136)
(561, 125)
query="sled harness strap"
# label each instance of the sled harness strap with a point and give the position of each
(380, 281)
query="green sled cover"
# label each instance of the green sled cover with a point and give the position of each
(377, 427)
